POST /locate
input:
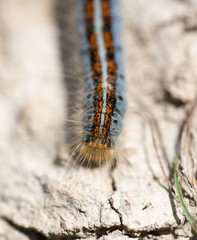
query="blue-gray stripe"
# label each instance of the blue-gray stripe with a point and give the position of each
(120, 81)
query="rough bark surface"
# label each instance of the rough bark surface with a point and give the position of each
(42, 197)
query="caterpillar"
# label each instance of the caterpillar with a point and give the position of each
(104, 102)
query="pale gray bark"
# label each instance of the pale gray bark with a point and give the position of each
(40, 199)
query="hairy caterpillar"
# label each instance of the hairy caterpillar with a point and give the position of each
(104, 101)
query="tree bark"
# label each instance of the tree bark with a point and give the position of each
(44, 193)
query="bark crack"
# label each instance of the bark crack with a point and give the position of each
(119, 214)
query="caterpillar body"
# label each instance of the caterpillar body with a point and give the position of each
(104, 102)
